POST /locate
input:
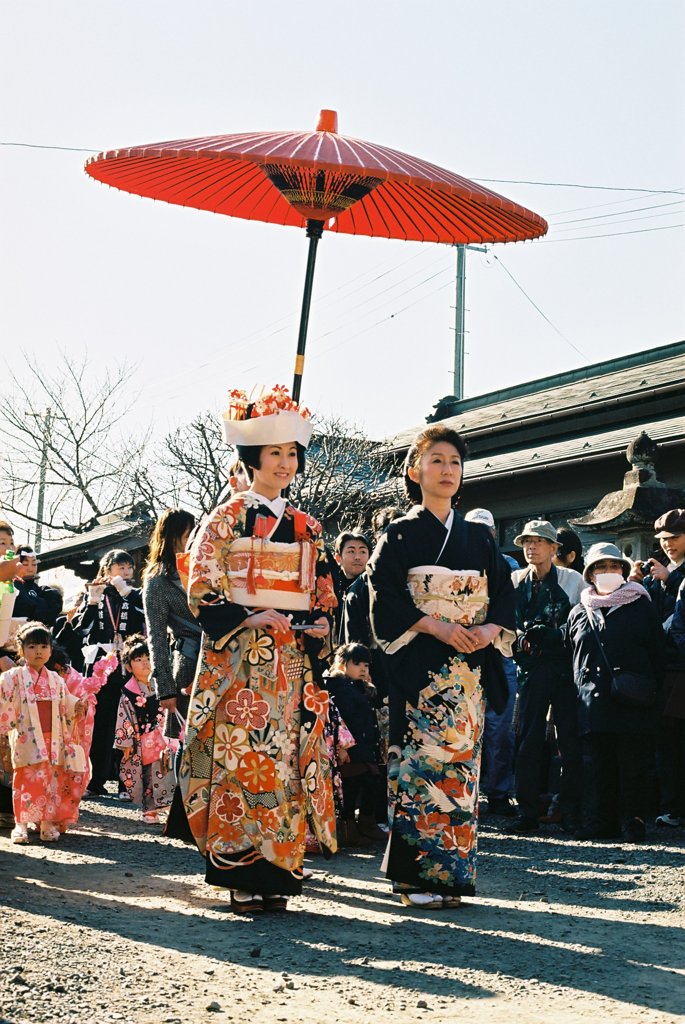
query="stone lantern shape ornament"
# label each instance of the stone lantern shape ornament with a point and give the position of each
(626, 517)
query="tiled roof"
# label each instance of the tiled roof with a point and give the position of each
(105, 535)
(534, 401)
(576, 449)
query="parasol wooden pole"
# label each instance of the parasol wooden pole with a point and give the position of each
(314, 233)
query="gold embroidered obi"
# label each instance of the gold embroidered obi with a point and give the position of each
(270, 574)
(449, 594)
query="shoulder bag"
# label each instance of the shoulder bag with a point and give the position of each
(630, 687)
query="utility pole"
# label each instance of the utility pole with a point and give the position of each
(45, 422)
(460, 318)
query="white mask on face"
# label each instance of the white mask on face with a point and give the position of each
(608, 582)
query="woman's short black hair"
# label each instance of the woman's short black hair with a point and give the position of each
(358, 654)
(423, 442)
(115, 557)
(33, 633)
(249, 455)
(135, 646)
(568, 541)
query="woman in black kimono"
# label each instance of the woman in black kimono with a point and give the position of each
(441, 596)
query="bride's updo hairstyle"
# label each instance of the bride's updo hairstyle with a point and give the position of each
(423, 442)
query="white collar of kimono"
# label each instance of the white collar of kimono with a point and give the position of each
(277, 505)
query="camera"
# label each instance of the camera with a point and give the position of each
(644, 567)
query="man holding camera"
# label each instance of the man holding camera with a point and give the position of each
(663, 583)
(34, 602)
(545, 595)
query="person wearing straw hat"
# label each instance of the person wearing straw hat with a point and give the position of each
(615, 628)
(255, 764)
(545, 594)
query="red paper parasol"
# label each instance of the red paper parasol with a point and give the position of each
(318, 180)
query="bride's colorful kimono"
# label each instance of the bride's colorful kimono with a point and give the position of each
(255, 764)
(437, 701)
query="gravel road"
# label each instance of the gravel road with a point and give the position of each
(114, 923)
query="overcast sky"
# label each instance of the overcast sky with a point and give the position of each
(587, 93)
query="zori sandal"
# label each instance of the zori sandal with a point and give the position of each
(246, 902)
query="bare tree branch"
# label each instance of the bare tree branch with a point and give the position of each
(70, 418)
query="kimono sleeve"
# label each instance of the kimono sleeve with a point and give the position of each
(345, 737)
(208, 587)
(393, 613)
(125, 732)
(502, 605)
(325, 601)
(8, 703)
(324, 596)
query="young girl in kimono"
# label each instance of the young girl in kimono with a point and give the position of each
(41, 717)
(85, 688)
(146, 764)
(441, 596)
(255, 765)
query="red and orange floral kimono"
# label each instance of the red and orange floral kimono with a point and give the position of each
(255, 764)
(50, 766)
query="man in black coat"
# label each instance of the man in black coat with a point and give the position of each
(662, 583)
(34, 601)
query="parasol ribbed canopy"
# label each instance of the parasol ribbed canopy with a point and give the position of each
(355, 187)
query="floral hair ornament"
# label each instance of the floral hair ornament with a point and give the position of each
(272, 418)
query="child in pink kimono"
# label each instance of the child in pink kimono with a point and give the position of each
(147, 765)
(85, 688)
(41, 718)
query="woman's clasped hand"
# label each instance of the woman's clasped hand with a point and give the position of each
(463, 639)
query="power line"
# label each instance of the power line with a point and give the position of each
(620, 213)
(625, 220)
(159, 386)
(496, 181)
(610, 234)
(535, 306)
(599, 206)
(570, 184)
(36, 145)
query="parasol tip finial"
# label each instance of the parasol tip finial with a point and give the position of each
(328, 121)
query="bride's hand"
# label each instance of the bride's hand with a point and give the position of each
(321, 628)
(268, 619)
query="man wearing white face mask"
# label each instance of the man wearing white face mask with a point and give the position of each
(615, 630)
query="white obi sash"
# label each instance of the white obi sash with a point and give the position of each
(452, 595)
(270, 574)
